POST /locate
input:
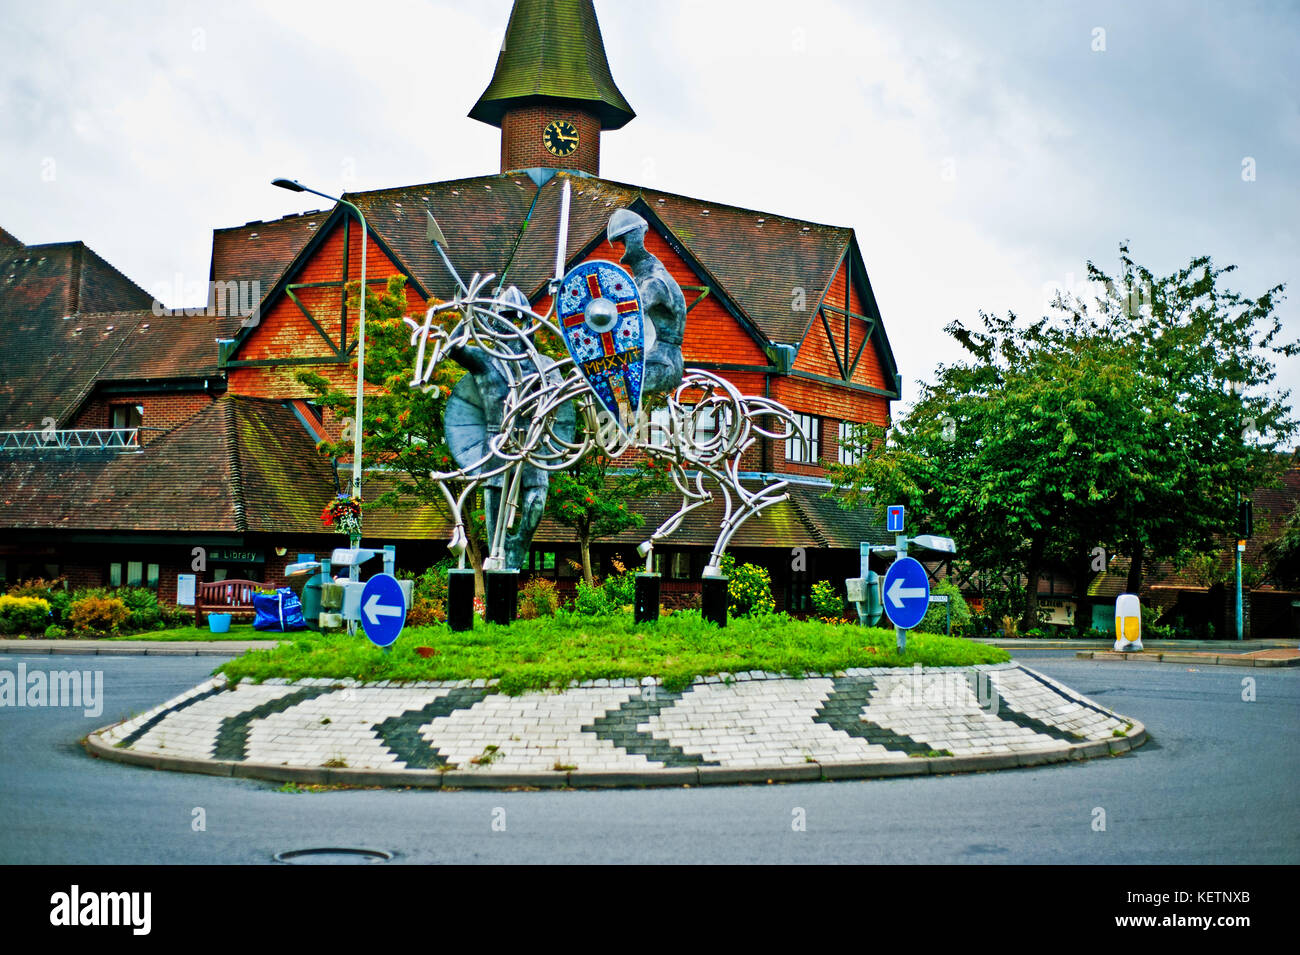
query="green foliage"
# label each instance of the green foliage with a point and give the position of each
(552, 652)
(98, 614)
(620, 588)
(24, 614)
(538, 598)
(429, 604)
(143, 606)
(54, 591)
(936, 618)
(1109, 424)
(591, 600)
(749, 588)
(596, 498)
(55, 632)
(827, 601)
(403, 426)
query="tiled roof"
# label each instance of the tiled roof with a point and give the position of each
(240, 465)
(261, 251)
(52, 355)
(8, 241)
(756, 258)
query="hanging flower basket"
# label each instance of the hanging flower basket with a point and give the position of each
(344, 515)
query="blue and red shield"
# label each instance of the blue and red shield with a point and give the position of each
(599, 312)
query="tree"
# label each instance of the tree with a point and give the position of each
(403, 426)
(1110, 425)
(596, 498)
(1202, 360)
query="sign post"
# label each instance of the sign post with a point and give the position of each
(907, 596)
(383, 609)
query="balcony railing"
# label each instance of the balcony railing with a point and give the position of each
(77, 439)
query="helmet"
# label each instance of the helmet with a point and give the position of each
(624, 221)
(513, 300)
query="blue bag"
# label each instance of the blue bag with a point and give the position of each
(280, 611)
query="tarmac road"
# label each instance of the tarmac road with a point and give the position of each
(1216, 784)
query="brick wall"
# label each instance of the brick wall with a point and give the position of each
(165, 411)
(522, 146)
(285, 332)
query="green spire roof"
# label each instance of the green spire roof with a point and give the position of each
(553, 49)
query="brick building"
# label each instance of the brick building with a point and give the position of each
(201, 436)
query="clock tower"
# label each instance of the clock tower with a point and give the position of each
(552, 93)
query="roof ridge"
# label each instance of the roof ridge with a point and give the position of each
(810, 526)
(236, 470)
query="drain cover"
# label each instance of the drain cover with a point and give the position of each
(333, 856)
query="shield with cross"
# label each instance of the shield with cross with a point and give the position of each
(599, 311)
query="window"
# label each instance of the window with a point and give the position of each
(675, 566)
(852, 443)
(138, 574)
(125, 417)
(808, 448)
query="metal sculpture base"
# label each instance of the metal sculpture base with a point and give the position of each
(502, 597)
(714, 600)
(460, 599)
(646, 604)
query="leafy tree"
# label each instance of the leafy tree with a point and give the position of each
(403, 426)
(596, 498)
(1110, 424)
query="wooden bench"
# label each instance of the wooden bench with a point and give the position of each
(225, 596)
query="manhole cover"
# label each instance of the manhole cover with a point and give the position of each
(333, 856)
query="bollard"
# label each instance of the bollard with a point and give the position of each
(646, 606)
(460, 599)
(1128, 622)
(714, 600)
(502, 597)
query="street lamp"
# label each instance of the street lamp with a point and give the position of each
(294, 185)
(1238, 545)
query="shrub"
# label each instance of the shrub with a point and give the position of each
(177, 617)
(98, 614)
(55, 591)
(749, 587)
(620, 589)
(591, 600)
(143, 605)
(539, 599)
(55, 632)
(827, 601)
(935, 617)
(24, 614)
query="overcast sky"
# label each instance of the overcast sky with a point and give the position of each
(982, 151)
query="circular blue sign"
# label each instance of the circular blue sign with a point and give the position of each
(906, 592)
(383, 609)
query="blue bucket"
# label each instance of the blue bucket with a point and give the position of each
(219, 622)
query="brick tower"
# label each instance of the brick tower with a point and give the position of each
(552, 93)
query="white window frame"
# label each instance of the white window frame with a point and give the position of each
(799, 451)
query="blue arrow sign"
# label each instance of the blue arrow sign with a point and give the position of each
(906, 592)
(894, 518)
(383, 609)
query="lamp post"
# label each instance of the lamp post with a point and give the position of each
(1238, 545)
(294, 186)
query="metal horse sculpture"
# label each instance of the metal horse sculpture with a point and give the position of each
(512, 420)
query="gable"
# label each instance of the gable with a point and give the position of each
(305, 322)
(845, 339)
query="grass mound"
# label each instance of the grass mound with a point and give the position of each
(551, 652)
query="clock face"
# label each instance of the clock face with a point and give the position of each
(560, 137)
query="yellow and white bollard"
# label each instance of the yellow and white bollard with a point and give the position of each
(1128, 622)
